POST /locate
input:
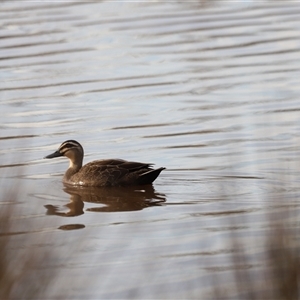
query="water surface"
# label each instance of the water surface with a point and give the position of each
(209, 91)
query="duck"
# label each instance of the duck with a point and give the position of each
(103, 173)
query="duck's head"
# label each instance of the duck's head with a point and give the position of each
(71, 149)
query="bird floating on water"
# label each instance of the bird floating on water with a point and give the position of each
(107, 172)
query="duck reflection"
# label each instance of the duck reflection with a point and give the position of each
(75, 207)
(108, 199)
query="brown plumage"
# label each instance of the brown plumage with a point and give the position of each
(108, 172)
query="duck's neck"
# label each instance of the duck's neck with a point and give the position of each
(72, 170)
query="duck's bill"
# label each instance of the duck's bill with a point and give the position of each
(55, 154)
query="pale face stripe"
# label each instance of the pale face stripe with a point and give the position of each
(66, 146)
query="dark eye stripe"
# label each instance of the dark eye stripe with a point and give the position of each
(68, 146)
(63, 151)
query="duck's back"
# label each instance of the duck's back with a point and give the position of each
(114, 172)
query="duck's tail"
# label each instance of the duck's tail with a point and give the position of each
(149, 177)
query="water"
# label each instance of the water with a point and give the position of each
(209, 91)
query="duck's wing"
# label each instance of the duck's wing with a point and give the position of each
(105, 162)
(130, 165)
(117, 172)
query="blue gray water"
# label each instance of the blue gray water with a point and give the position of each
(208, 90)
